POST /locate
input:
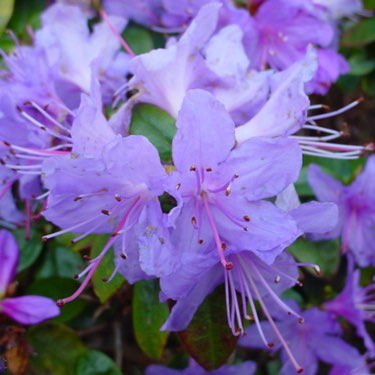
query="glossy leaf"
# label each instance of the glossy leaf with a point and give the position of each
(57, 288)
(138, 38)
(148, 316)
(326, 254)
(343, 170)
(157, 126)
(30, 249)
(208, 338)
(361, 65)
(60, 261)
(96, 363)
(56, 348)
(104, 290)
(26, 13)
(361, 34)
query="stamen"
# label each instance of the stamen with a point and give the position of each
(337, 112)
(274, 296)
(296, 365)
(41, 126)
(121, 40)
(227, 265)
(94, 263)
(49, 117)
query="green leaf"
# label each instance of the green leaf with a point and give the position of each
(103, 289)
(60, 262)
(369, 4)
(208, 338)
(26, 12)
(361, 65)
(361, 34)
(326, 254)
(56, 349)
(157, 126)
(148, 316)
(30, 249)
(57, 288)
(343, 170)
(6, 10)
(96, 363)
(138, 38)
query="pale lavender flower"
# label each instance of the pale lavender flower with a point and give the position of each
(224, 231)
(75, 54)
(356, 204)
(285, 112)
(356, 304)
(318, 338)
(26, 309)
(285, 31)
(107, 186)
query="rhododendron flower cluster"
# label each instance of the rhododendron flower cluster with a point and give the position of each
(235, 82)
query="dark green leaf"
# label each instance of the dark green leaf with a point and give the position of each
(156, 125)
(30, 249)
(96, 363)
(60, 262)
(326, 254)
(369, 4)
(343, 170)
(148, 316)
(57, 288)
(56, 349)
(361, 34)
(6, 10)
(361, 65)
(139, 39)
(208, 338)
(26, 13)
(104, 290)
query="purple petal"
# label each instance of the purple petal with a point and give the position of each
(265, 166)
(325, 187)
(316, 217)
(335, 350)
(285, 111)
(29, 309)
(90, 130)
(199, 122)
(185, 308)
(228, 41)
(9, 254)
(331, 66)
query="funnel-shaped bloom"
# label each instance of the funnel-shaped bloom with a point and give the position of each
(317, 338)
(356, 305)
(356, 204)
(25, 309)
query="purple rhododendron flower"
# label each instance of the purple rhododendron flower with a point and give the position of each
(285, 29)
(317, 338)
(106, 186)
(356, 204)
(74, 54)
(25, 309)
(356, 305)
(224, 231)
(285, 112)
(245, 368)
